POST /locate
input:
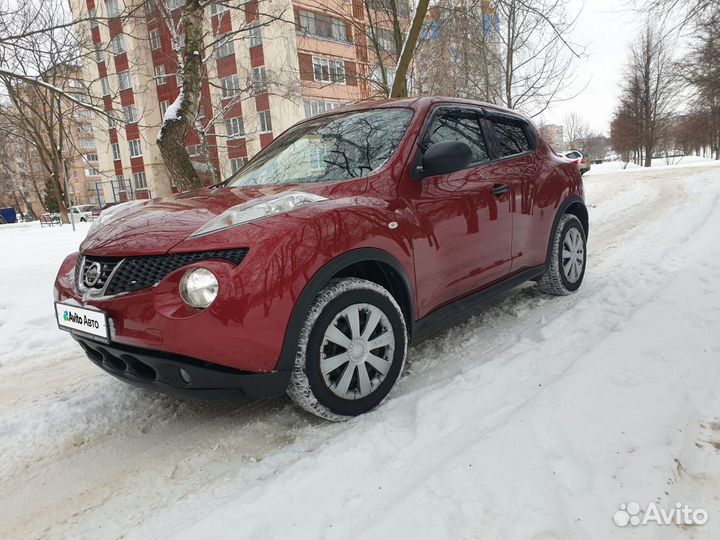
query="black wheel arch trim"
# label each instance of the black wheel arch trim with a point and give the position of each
(562, 209)
(320, 279)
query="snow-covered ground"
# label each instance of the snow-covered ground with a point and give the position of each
(535, 419)
(657, 163)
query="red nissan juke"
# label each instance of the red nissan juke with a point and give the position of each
(310, 269)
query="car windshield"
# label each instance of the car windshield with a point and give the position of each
(337, 147)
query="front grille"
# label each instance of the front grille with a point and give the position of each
(136, 273)
(94, 272)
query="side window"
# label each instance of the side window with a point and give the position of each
(458, 125)
(510, 137)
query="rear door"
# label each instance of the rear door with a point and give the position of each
(463, 234)
(516, 163)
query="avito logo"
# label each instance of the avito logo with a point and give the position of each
(69, 316)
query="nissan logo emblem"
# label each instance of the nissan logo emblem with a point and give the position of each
(92, 274)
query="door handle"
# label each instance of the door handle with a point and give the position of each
(499, 190)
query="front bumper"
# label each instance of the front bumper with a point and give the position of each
(198, 379)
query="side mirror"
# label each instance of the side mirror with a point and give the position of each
(446, 157)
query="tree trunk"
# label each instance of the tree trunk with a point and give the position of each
(399, 88)
(176, 125)
(648, 157)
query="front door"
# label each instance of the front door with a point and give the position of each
(462, 241)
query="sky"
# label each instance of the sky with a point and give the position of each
(606, 28)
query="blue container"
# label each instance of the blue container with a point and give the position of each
(8, 215)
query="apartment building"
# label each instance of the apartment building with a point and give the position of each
(273, 63)
(49, 122)
(553, 133)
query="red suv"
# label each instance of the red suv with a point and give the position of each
(310, 270)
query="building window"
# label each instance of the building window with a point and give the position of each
(87, 143)
(265, 121)
(110, 120)
(84, 113)
(121, 183)
(118, 44)
(113, 8)
(92, 14)
(259, 77)
(386, 39)
(91, 171)
(124, 80)
(402, 7)
(322, 26)
(234, 127)
(105, 86)
(217, 9)
(140, 180)
(237, 163)
(230, 86)
(155, 39)
(377, 79)
(92, 157)
(130, 114)
(116, 151)
(160, 75)
(328, 70)
(255, 36)
(225, 48)
(317, 107)
(194, 150)
(135, 148)
(84, 128)
(164, 106)
(99, 57)
(201, 112)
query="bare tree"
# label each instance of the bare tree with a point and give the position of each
(702, 72)
(38, 73)
(537, 59)
(649, 93)
(400, 86)
(459, 52)
(576, 129)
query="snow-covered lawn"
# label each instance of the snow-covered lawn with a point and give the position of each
(657, 163)
(535, 419)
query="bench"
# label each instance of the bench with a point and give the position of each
(49, 220)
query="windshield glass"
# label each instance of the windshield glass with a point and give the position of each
(336, 147)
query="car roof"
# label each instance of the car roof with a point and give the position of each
(421, 103)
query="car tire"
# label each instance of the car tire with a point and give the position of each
(82, 220)
(568, 258)
(337, 337)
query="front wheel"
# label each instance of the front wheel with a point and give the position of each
(568, 258)
(351, 351)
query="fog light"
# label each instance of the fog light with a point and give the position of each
(199, 288)
(185, 376)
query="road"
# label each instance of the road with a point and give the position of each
(536, 418)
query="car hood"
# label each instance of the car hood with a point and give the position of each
(160, 224)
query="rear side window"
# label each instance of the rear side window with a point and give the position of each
(511, 138)
(458, 125)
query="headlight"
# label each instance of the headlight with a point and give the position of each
(259, 208)
(198, 288)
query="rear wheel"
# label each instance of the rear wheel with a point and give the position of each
(568, 258)
(352, 350)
